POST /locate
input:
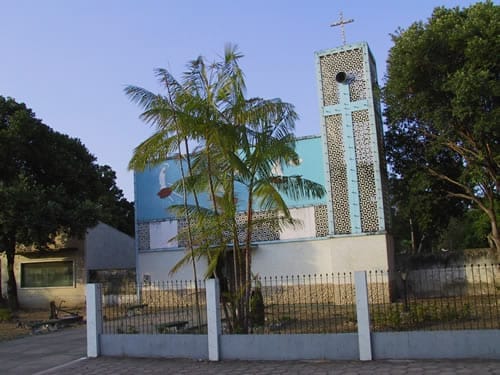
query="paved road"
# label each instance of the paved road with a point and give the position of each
(64, 353)
(33, 354)
(109, 365)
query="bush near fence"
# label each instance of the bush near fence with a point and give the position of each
(452, 298)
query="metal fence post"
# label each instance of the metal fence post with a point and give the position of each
(213, 318)
(94, 319)
(363, 316)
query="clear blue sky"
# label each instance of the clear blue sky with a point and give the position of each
(69, 60)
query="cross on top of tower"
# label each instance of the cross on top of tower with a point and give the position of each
(341, 22)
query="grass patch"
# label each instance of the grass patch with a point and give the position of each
(5, 315)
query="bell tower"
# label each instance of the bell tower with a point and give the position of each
(352, 137)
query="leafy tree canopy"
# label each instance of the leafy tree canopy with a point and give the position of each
(441, 95)
(49, 183)
(114, 208)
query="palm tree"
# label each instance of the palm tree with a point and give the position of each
(166, 115)
(267, 147)
(238, 141)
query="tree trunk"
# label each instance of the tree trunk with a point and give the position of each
(494, 235)
(421, 244)
(11, 278)
(248, 263)
(412, 234)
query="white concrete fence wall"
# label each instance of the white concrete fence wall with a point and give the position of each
(214, 346)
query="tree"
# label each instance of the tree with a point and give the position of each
(475, 228)
(418, 214)
(239, 142)
(441, 98)
(114, 208)
(49, 184)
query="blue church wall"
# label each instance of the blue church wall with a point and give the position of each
(148, 184)
(311, 167)
(153, 195)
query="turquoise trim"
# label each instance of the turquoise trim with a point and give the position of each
(350, 158)
(347, 47)
(354, 106)
(345, 109)
(374, 112)
(324, 139)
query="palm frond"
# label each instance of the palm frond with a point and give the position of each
(268, 198)
(296, 187)
(195, 253)
(141, 96)
(153, 151)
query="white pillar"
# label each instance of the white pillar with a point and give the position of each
(213, 318)
(363, 316)
(94, 319)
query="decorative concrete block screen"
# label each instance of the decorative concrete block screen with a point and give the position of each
(352, 140)
(312, 223)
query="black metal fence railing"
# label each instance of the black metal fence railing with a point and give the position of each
(322, 303)
(154, 308)
(452, 298)
(427, 299)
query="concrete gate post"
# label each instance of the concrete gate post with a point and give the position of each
(363, 316)
(213, 319)
(94, 319)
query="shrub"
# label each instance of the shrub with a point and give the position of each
(5, 314)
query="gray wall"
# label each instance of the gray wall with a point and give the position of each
(173, 346)
(436, 344)
(342, 346)
(108, 248)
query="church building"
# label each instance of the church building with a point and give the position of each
(346, 230)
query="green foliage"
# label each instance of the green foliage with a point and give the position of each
(476, 227)
(130, 330)
(420, 314)
(441, 99)
(114, 208)
(257, 308)
(5, 315)
(418, 201)
(49, 184)
(239, 140)
(467, 232)
(44, 176)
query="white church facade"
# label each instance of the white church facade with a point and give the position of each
(346, 230)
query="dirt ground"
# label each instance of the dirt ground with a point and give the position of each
(18, 326)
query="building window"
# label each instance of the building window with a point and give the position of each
(46, 274)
